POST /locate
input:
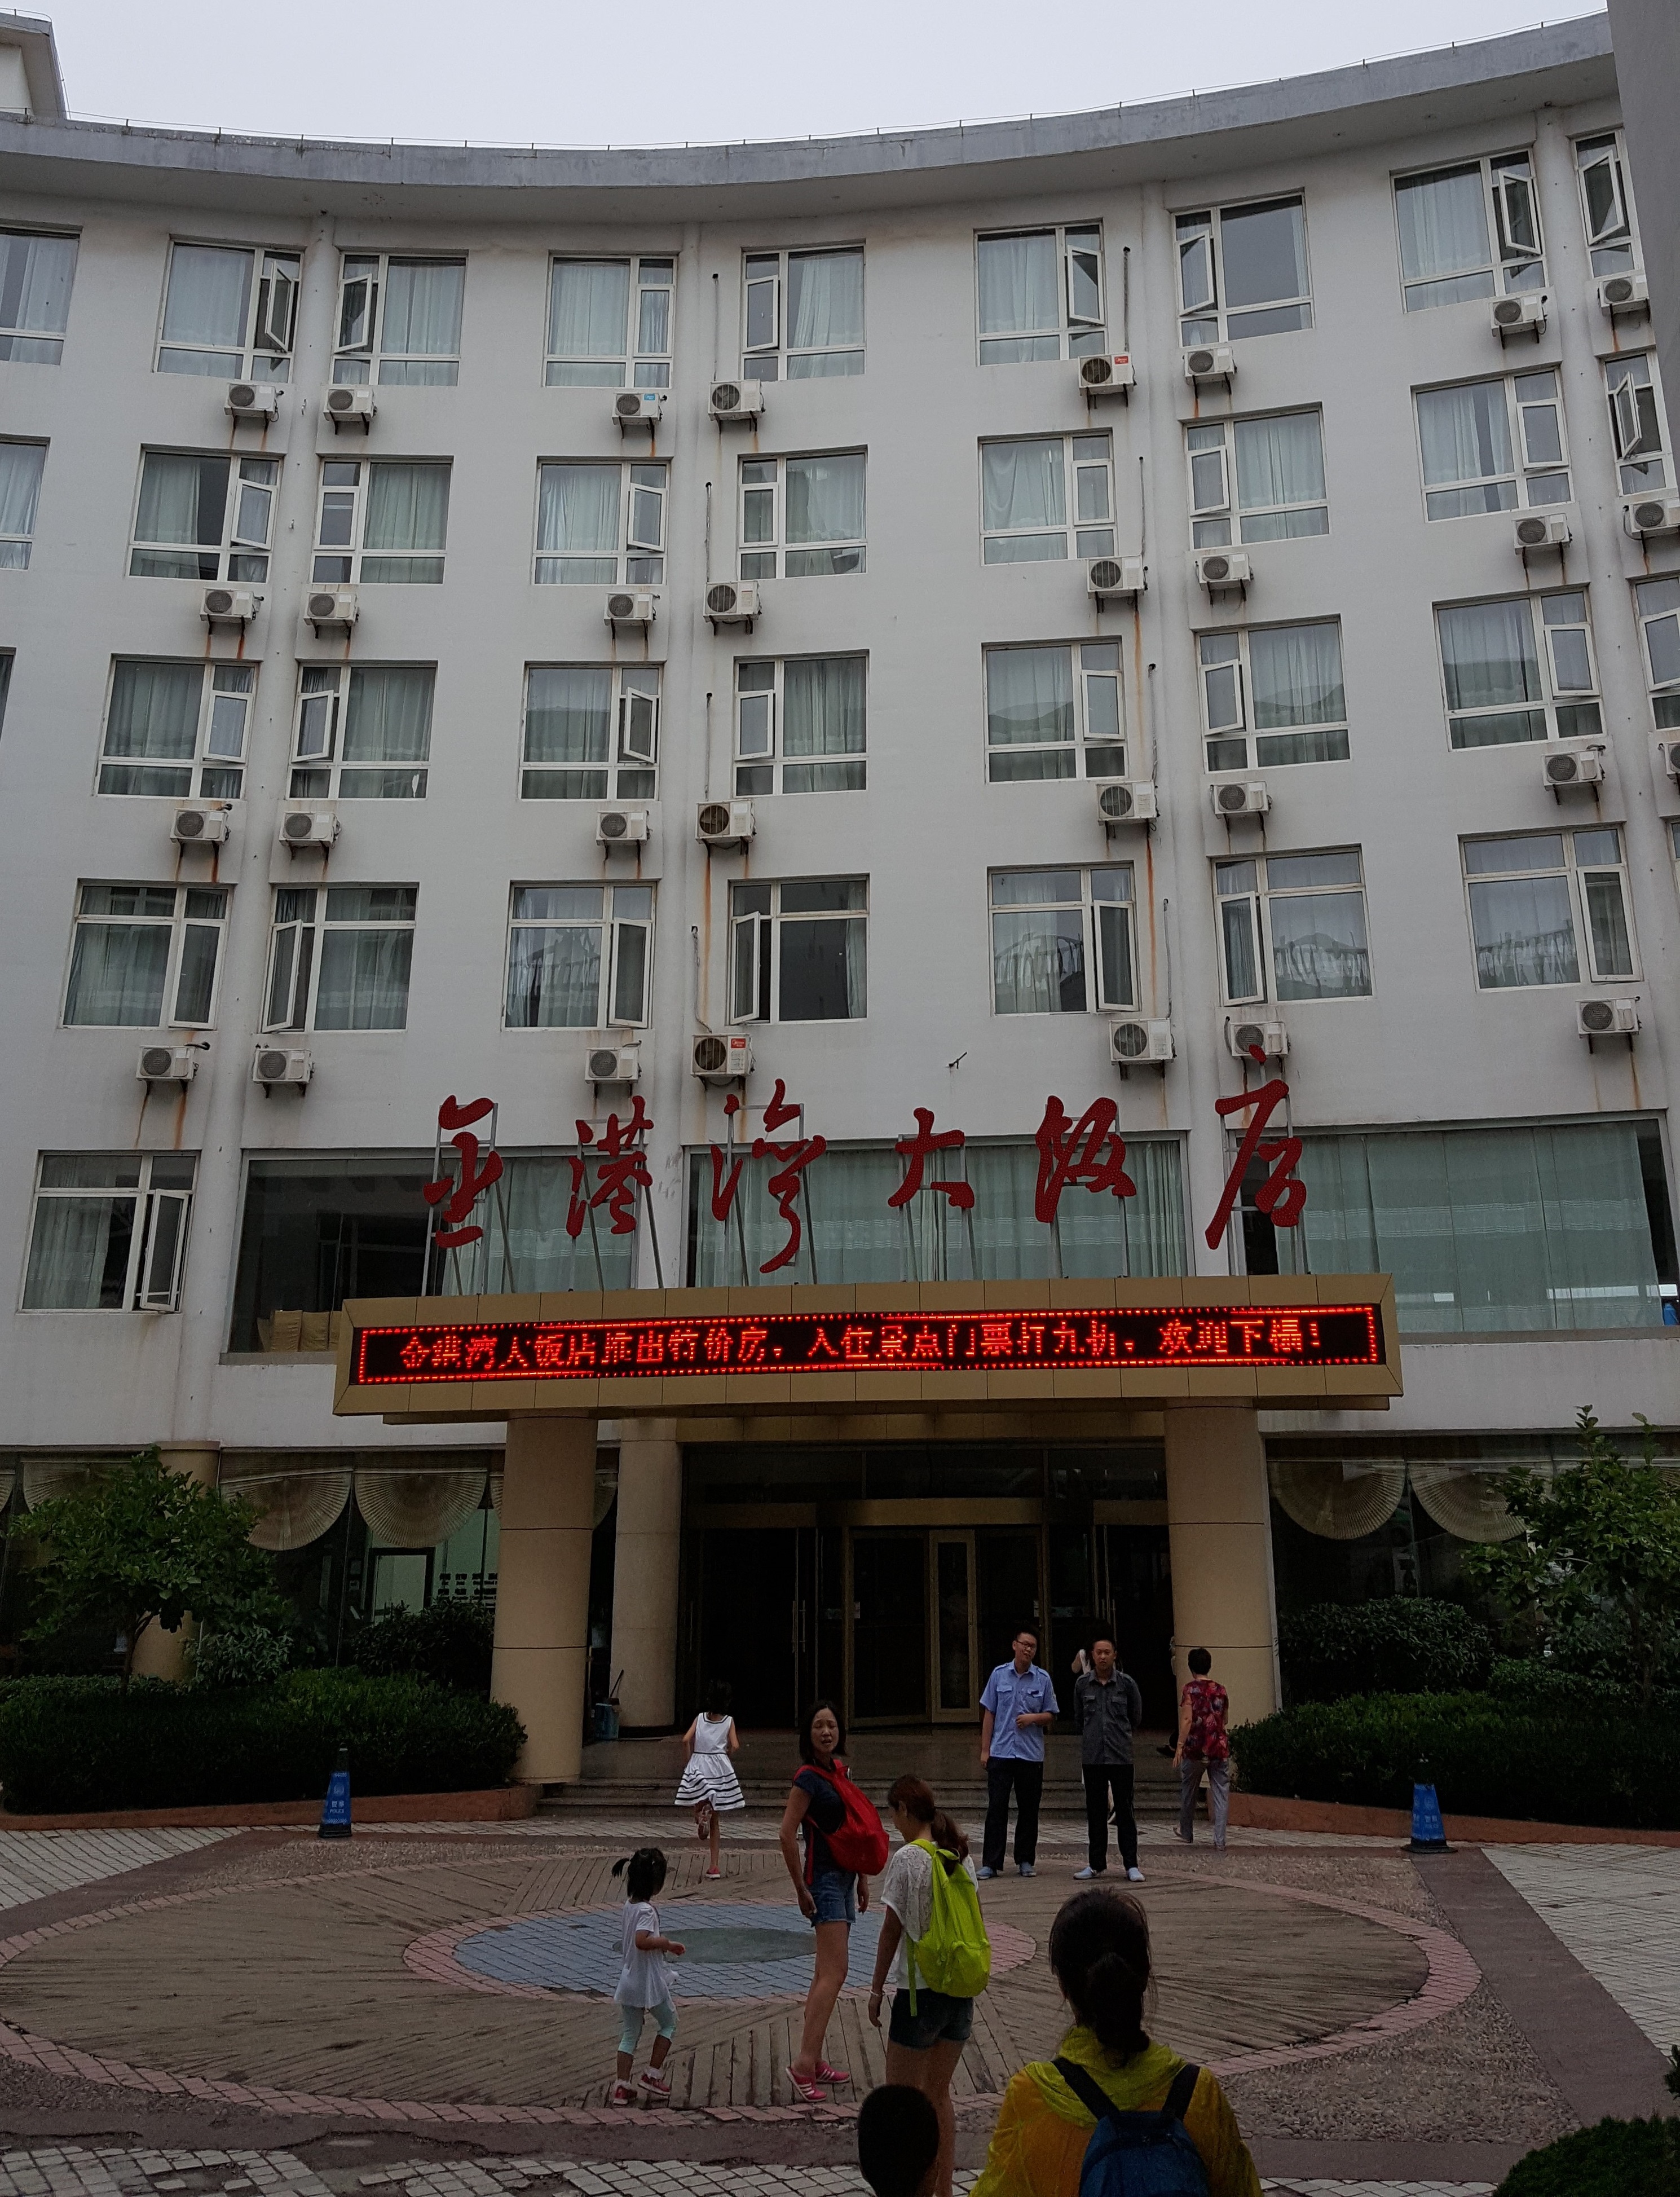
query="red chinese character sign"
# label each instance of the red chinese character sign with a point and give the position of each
(455, 1194)
(1282, 1196)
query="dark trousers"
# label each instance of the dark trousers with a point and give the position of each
(1100, 1780)
(1026, 1781)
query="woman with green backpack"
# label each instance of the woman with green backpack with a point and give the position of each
(931, 1921)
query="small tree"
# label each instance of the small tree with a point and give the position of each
(1604, 1534)
(144, 1545)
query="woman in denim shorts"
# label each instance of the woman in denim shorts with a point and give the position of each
(830, 1897)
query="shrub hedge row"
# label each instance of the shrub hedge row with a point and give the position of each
(1617, 2159)
(1402, 1645)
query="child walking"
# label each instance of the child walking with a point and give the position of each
(710, 1785)
(645, 1981)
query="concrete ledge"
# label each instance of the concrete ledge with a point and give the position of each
(500, 1804)
(1263, 1811)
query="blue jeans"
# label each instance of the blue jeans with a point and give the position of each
(835, 1891)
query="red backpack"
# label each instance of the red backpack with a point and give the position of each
(859, 1843)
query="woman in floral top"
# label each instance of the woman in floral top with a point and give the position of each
(1204, 1744)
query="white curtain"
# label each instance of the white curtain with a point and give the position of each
(117, 975)
(1024, 485)
(588, 308)
(1318, 946)
(422, 308)
(20, 486)
(388, 715)
(407, 507)
(1018, 285)
(1443, 224)
(1525, 931)
(154, 710)
(1030, 696)
(1465, 432)
(364, 978)
(553, 975)
(534, 1251)
(1488, 654)
(1296, 672)
(1279, 461)
(822, 705)
(578, 512)
(35, 277)
(208, 303)
(1038, 961)
(825, 499)
(75, 1241)
(169, 495)
(569, 713)
(824, 299)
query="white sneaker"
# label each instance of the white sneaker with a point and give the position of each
(1134, 1875)
(1081, 1874)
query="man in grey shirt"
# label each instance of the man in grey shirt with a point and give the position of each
(1108, 1707)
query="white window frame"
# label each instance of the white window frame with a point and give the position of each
(1102, 995)
(1092, 755)
(19, 344)
(184, 915)
(1254, 899)
(758, 732)
(240, 553)
(302, 976)
(366, 362)
(1656, 604)
(1202, 232)
(1080, 539)
(23, 541)
(1578, 872)
(1510, 264)
(774, 551)
(1638, 421)
(215, 771)
(1533, 479)
(612, 926)
(648, 273)
(351, 553)
(756, 938)
(1613, 248)
(145, 1289)
(1224, 682)
(1075, 335)
(771, 362)
(1210, 462)
(273, 286)
(1570, 712)
(644, 487)
(318, 710)
(630, 773)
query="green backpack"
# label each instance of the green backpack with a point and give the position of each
(955, 1956)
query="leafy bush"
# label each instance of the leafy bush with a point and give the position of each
(239, 1655)
(1617, 2159)
(72, 1744)
(1487, 1756)
(450, 1642)
(1398, 1644)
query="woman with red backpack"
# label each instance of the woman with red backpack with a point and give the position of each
(844, 1846)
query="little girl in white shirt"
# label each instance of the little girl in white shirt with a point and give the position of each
(645, 1981)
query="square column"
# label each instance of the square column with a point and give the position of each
(1218, 1531)
(542, 1591)
(646, 1550)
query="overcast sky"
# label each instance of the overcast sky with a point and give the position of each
(654, 71)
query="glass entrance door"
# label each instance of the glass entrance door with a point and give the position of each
(889, 1627)
(956, 1684)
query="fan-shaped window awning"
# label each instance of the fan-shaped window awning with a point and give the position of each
(297, 1500)
(1338, 1499)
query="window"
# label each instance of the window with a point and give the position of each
(227, 313)
(341, 957)
(383, 521)
(797, 951)
(410, 320)
(585, 511)
(1548, 906)
(1503, 686)
(803, 516)
(800, 724)
(610, 324)
(21, 465)
(1607, 209)
(1300, 916)
(177, 729)
(110, 1232)
(1055, 712)
(139, 950)
(1280, 479)
(1637, 425)
(1658, 604)
(1490, 445)
(802, 315)
(363, 732)
(317, 1229)
(1028, 489)
(1062, 941)
(203, 517)
(5, 655)
(1467, 232)
(36, 273)
(1274, 694)
(579, 957)
(1243, 272)
(592, 731)
(1042, 295)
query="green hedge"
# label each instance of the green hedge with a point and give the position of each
(450, 1642)
(1399, 1643)
(1617, 2159)
(1487, 1756)
(73, 1744)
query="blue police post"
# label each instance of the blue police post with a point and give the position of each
(1428, 1832)
(335, 1809)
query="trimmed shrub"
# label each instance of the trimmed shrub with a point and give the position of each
(75, 1744)
(449, 1642)
(1486, 1756)
(1400, 1645)
(238, 1656)
(1617, 2159)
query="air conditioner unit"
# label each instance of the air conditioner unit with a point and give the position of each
(1223, 568)
(1574, 763)
(1541, 530)
(1607, 1017)
(308, 823)
(166, 1063)
(1210, 362)
(1651, 514)
(721, 1060)
(737, 400)
(349, 403)
(638, 407)
(281, 1063)
(1114, 576)
(229, 605)
(1109, 375)
(332, 610)
(1624, 293)
(253, 400)
(1240, 797)
(1668, 751)
(613, 1063)
(631, 607)
(724, 823)
(733, 602)
(1126, 801)
(1272, 1039)
(202, 824)
(1511, 316)
(1131, 1041)
(621, 827)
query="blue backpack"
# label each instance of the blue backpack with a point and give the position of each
(1137, 2154)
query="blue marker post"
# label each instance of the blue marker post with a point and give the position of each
(335, 1809)
(1428, 1832)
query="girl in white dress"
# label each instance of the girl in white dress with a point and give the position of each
(710, 1785)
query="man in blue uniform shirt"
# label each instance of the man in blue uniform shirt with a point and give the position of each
(1018, 1705)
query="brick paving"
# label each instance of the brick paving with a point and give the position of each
(34, 1864)
(1617, 1910)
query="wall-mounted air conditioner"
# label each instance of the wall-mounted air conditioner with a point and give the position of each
(1573, 762)
(1543, 530)
(1239, 797)
(1624, 293)
(638, 407)
(1523, 316)
(201, 823)
(737, 400)
(253, 400)
(1607, 1017)
(281, 1065)
(1108, 374)
(166, 1063)
(1210, 362)
(350, 404)
(732, 602)
(1668, 755)
(229, 605)
(613, 1063)
(1651, 514)
(308, 823)
(724, 823)
(1108, 577)
(1244, 1038)
(1126, 801)
(1217, 569)
(332, 610)
(631, 607)
(721, 1060)
(621, 827)
(1134, 1040)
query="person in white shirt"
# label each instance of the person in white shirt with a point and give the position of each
(644, 1980)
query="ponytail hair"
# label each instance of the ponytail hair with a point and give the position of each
(643, 1872)
(916, 1799)
(1099, 1952)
